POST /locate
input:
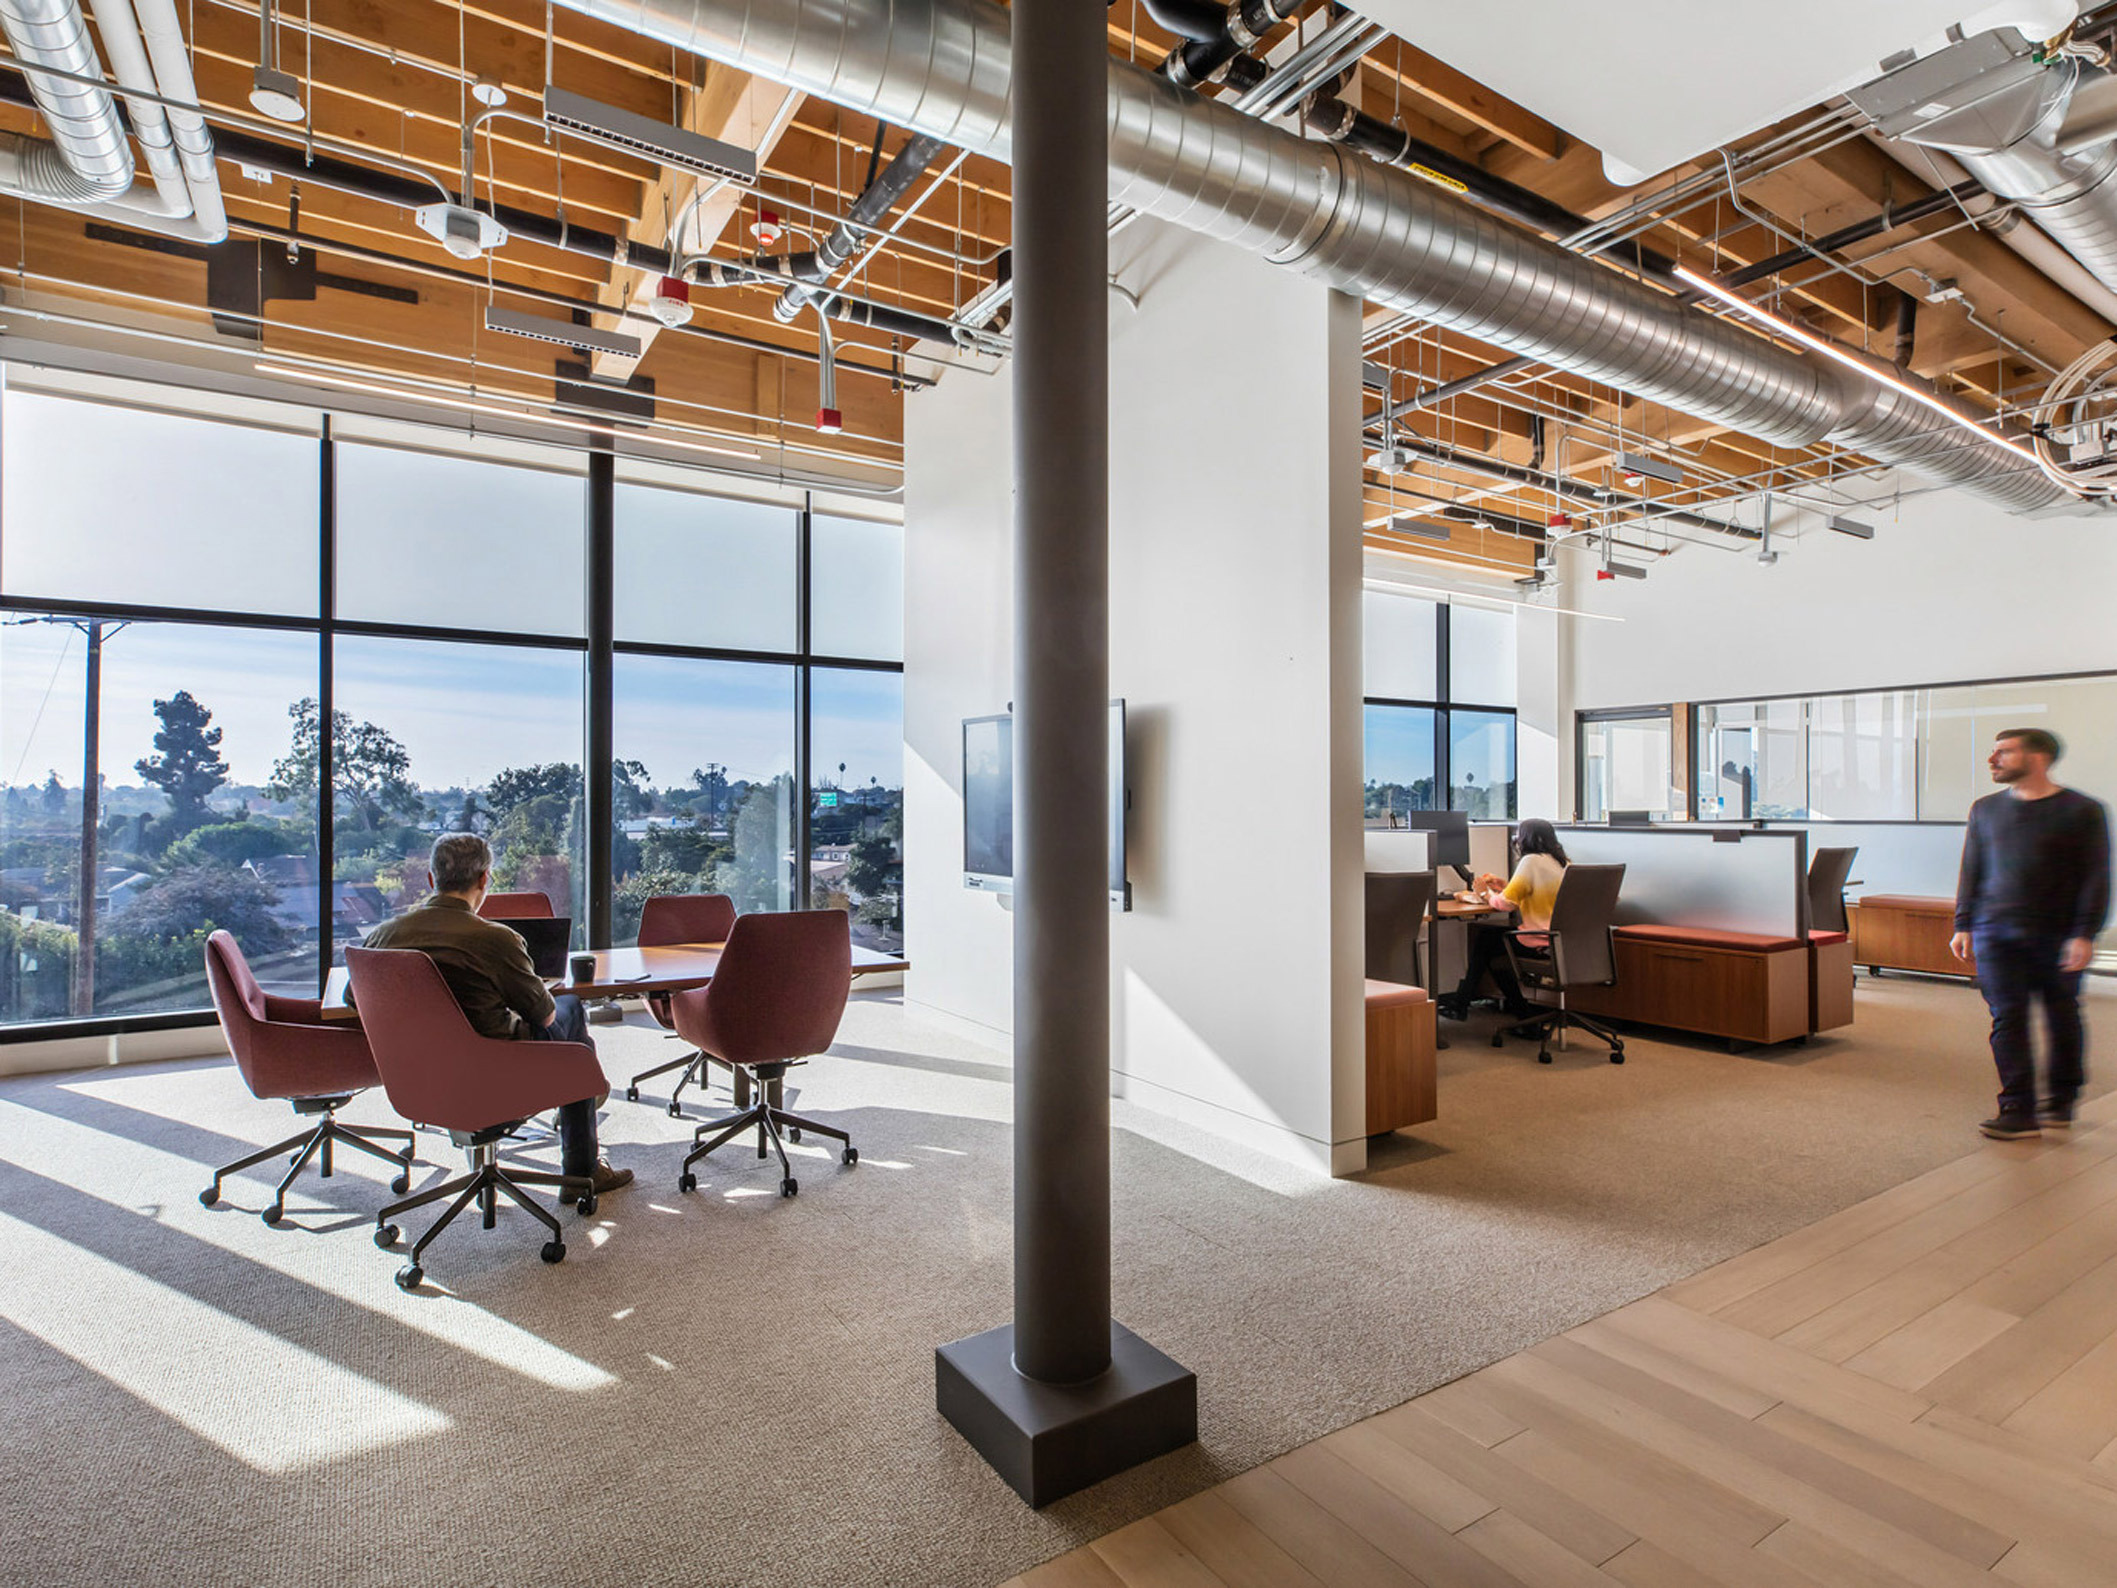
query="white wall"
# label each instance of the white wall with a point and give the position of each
(1950, 589)
(1235, 641)
(958, 662)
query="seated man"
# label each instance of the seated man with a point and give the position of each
(486, 966)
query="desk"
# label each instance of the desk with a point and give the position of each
(632, 972)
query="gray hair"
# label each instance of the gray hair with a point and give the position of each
(458, 861)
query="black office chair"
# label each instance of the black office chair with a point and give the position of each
(1579, 950)
(1827, 871)
(1399, 906)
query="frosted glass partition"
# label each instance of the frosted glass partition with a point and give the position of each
(1401, 850)
(1488, 848)
(1896, 857)
(1730, 879)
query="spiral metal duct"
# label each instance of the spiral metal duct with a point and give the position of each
(89, 157)
(942, 67)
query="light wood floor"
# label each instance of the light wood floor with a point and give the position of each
(1920, 1390)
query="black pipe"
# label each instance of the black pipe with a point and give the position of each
(1859, 231)
(1907, 328)
(1594, 496)
(768, 268)
(1241, 25)
(1332, 118)
(876, 200)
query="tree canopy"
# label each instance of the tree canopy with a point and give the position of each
(370, 770)
(187, 766)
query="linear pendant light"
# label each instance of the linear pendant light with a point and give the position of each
(1792, 332)
(378, 389)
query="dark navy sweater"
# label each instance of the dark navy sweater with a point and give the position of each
(2039, 867)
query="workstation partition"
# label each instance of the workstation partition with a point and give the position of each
(1724, 879)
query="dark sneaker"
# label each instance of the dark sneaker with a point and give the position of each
(608, 1179)
(2054, 1115)
(2010, 1127)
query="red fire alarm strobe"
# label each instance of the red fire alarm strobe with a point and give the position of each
(830, 421)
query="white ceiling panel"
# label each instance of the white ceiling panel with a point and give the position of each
(1652, 83)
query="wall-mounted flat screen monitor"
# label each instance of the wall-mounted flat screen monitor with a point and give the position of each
(988, 805)
(1631, 818)
(1451, 834)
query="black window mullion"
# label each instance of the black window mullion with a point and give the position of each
(599, 770)
(1443, 773)
(326, 705)
(803, 641)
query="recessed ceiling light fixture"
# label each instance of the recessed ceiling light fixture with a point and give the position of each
(1792, 332)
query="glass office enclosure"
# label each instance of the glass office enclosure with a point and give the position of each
(168, 644)
(1624, 766)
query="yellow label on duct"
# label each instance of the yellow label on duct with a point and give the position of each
(1426, 173)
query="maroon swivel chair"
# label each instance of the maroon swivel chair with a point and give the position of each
(776, 999)
(679, 918)
(438, 1070)
(516, 906)
(284, 1049)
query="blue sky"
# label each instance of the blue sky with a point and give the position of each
(161, 509)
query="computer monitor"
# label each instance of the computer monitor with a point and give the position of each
(1451, 835)
(1631, 818)
(547, 937)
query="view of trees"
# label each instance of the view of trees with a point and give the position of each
(187, 851)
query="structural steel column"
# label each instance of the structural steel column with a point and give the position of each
(1061, 691)
(1065, 1397)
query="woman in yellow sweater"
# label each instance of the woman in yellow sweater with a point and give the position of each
(1531, 891)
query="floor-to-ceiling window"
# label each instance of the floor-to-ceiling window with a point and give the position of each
(1439, 680)
(211, 612)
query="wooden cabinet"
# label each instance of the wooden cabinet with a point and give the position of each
(1748, 995)
(1402, 1088)
(1830, 985)
(1906, 932)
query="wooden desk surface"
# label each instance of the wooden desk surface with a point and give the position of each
(1453, 909)
(628, 972)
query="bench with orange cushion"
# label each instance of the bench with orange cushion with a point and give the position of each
(1744, 986)
(1401, 1085)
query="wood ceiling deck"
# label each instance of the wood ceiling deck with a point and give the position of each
(388, 83)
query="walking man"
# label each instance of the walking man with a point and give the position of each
(2034, 891)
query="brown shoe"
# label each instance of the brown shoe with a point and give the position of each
(605, 1180)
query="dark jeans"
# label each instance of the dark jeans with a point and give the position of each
(577, 1148)
(2012, 970)
(1488, 952)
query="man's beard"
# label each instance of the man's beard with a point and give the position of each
(2009, 774)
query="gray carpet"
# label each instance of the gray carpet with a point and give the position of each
(729, 1388)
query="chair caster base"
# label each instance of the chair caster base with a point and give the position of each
(409, 1275)
(850, 1156)
(789, 1186)
(553, 1251)
(1499, 1039)
(1617, 1055)
(587, 1211)
(386, 1236)
(1544, 1056)
(632, 1094)
(793, 1133)
(687, 1181)
(676, 1111)
(274, 1213)
(209, 1196)
(400, 1185)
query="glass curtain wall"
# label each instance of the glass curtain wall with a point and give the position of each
(1440, 720)
(166, 677)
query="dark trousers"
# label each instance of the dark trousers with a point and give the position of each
(1488, 952)
(2014, 969)
(577, 1147)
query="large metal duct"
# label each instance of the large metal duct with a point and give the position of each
(942, 67)
(2032, 128)
(88, 157)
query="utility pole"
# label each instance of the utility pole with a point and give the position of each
(91, 815)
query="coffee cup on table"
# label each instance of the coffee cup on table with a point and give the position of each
(583, 967)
